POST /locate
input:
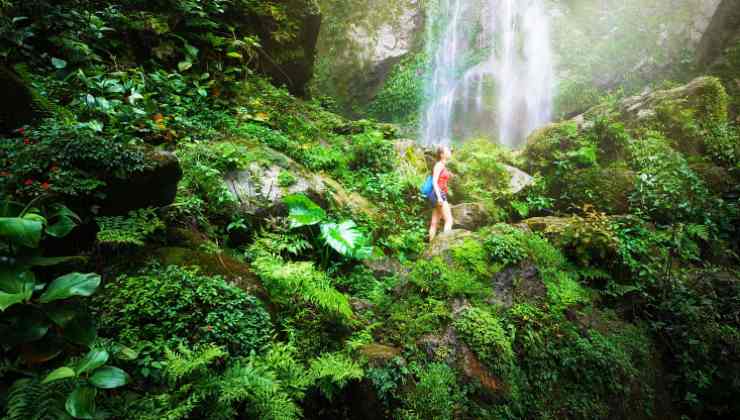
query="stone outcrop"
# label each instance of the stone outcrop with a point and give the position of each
(152, 187)
(723, 31)
(17, 106)
(260, 191)
(359, 45)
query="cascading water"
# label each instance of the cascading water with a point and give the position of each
(491, 71)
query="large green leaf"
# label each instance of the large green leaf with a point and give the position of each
(73, 284)
(80, 330)
(109, 377)
(81, 402)
(343, 237)
(63, 372)
(65, 221)
(93, 359)
(16, 286)
(21, 230)
(303, 211)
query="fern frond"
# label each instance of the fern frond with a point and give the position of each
(184, 362)
(29, 399)
(333, 371)
(286, 279)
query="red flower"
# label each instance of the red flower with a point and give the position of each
(29, 182)
(26, 141)
(21, 131)
(45, 185)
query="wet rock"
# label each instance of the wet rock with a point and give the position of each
(723, 30)
(153, 187)
(519, 179)
(471, 216)
(386, 267)
(445, 241)
(379, 354)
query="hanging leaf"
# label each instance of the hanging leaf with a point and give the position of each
(109, 377)
(184, 65)
(63, 372)
(81, 402)
(23, 231)
(73, 284)
(16, 286)
(343, 238)
(93, 359)
(81, 330)
(65, 221)
(58, 63)
(303, 211)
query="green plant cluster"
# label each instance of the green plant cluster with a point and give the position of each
(172, 305)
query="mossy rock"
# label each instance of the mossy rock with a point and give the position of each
(378, 354)
(681, 114)
(18, 107)
(234, 271)
(718, 179)
(727, 68)
(606, 189)
(542, 145)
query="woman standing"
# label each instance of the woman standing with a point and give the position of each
(441, 207)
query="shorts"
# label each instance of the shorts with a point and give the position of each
(433, 198)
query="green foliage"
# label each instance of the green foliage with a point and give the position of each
(479, 175)
(667, 190)
(133, 229)
(486, 335)
(403, 92)
(343, 237)
(504, 244)
(174, 305)
(30, 399)
(435, 396)
(90, 375)
(37, 315)
(298, 283)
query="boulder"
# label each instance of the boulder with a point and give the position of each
(17, 108)
(236, 272)
(444, 242)
(520, 283)
(471, 216)
(519, 179)
(260, 190)
(152, 187)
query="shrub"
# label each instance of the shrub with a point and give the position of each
(174, 305)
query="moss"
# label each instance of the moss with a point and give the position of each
(727, 68)
(238, 273)
(543, 144)
(485, 334)
(606, 189)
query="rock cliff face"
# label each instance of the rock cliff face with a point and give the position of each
(721, 33)
(359, 45)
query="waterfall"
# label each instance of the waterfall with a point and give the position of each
(491, 71)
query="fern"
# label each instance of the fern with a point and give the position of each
(29, 399)
(286, 280)
(132, 229)
(332, 371)
(186, 362)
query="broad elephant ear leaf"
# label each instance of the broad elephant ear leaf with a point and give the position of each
(109, 377)
(303, 211)
(16, 286)
(22, 231)
(73, 284)
(343, 238)
(81, 402)
(65, 221)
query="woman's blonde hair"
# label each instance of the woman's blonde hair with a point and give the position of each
(440, 151)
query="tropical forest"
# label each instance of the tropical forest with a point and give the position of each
(369, 209)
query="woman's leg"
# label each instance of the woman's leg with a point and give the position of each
(436, 215)
(447, 215)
